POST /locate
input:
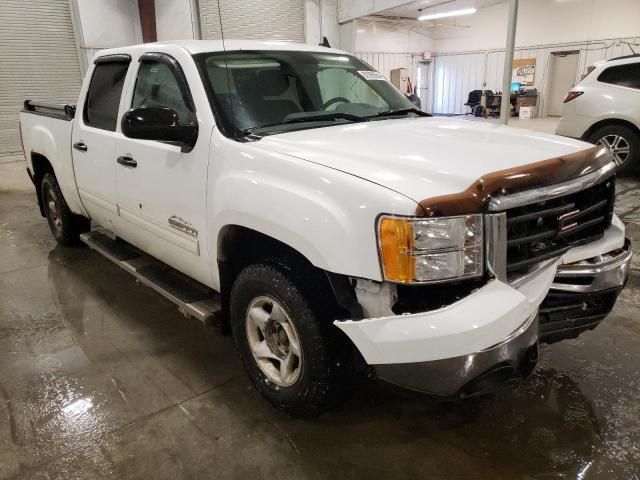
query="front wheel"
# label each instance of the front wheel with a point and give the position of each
(624, 145)
(288, 351)
(65, 226)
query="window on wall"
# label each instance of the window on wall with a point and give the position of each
(103, 97)
(622, 75)
(157, 85)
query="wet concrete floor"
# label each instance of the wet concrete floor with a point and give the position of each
(101, 377)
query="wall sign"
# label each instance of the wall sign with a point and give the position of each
(524, 71)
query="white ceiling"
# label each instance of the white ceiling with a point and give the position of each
(411, 9)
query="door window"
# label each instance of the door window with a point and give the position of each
(103, 97)
(622, 75)
(157, 85)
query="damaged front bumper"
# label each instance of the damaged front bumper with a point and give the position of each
(491, 336)
(468, 375)
(485, 339)
(583, 294)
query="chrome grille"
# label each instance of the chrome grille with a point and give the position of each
(546, 229)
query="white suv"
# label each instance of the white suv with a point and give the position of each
(605, 109)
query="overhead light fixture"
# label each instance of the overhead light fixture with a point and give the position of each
(450, 13)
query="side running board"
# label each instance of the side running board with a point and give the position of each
(192, 297)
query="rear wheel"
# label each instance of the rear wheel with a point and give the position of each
(292, 355)
(65, 226)
(623, 143)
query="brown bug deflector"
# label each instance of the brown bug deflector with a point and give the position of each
(511, 180)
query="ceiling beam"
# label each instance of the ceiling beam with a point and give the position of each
(351, 9)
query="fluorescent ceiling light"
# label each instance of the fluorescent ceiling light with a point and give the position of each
(450, 13)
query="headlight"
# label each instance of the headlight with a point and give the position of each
(423, 250)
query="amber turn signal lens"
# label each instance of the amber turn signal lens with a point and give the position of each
(396, 243)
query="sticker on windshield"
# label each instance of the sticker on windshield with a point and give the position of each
(371, 75)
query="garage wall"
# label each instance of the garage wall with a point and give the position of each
(389, 37)
(39, 61)
(101, 25)
(385, 62)
(176, 20)
(455, 74)
(320, 20)
(390, 45)
(253, 19)
(542, 22)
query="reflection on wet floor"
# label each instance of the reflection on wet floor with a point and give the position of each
(101, 377)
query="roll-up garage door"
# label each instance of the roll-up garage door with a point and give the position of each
(38, 60)
(253, 19)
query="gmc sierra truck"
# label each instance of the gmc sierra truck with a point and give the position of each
(292, 195)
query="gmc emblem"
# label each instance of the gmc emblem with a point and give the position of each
(566, 223)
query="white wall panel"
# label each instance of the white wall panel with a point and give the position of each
(456, 74)
(320, 21)
(385, 62)
(253, 19)
(175, 20)
(103, 25)
(541, 22)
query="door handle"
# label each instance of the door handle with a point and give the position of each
(80, 146)
(127, 162)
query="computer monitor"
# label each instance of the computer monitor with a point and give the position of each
(515, 86)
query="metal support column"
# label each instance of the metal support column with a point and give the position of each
(505, 107)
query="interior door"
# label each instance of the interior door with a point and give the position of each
(161, 188)
(94, 139)
(563, 70)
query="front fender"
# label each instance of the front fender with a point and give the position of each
(326, 215)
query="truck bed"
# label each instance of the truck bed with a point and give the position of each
(53, 110)
(46, 137)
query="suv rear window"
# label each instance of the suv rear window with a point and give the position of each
(622, 75)
(103, 97)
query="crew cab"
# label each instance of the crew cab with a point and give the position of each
(291, 194)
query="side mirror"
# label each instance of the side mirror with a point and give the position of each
(161, 124)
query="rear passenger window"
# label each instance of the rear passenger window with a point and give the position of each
(622, 75)
(103, 97)
(157, 86)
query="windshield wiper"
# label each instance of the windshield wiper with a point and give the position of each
(310, 118)
(402, 111)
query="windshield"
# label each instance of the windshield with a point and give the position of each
(271, 91)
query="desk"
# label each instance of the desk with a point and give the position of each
(491, 103)
(519, 100)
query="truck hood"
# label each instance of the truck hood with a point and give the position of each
(421, 157)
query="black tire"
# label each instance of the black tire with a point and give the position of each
(323, 363)
(631, 166)
(65, 226)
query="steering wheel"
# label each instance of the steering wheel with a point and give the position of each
(328, 103)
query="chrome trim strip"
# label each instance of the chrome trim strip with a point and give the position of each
(495, 233)
(505, 202)
(608, 274)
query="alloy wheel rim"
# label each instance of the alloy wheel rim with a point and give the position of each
(274, 341)
(617, 146)
(54, 211)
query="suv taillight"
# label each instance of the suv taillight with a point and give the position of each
(571, 95)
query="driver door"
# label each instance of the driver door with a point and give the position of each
(161, 189)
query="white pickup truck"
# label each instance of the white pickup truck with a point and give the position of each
(293, 195)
